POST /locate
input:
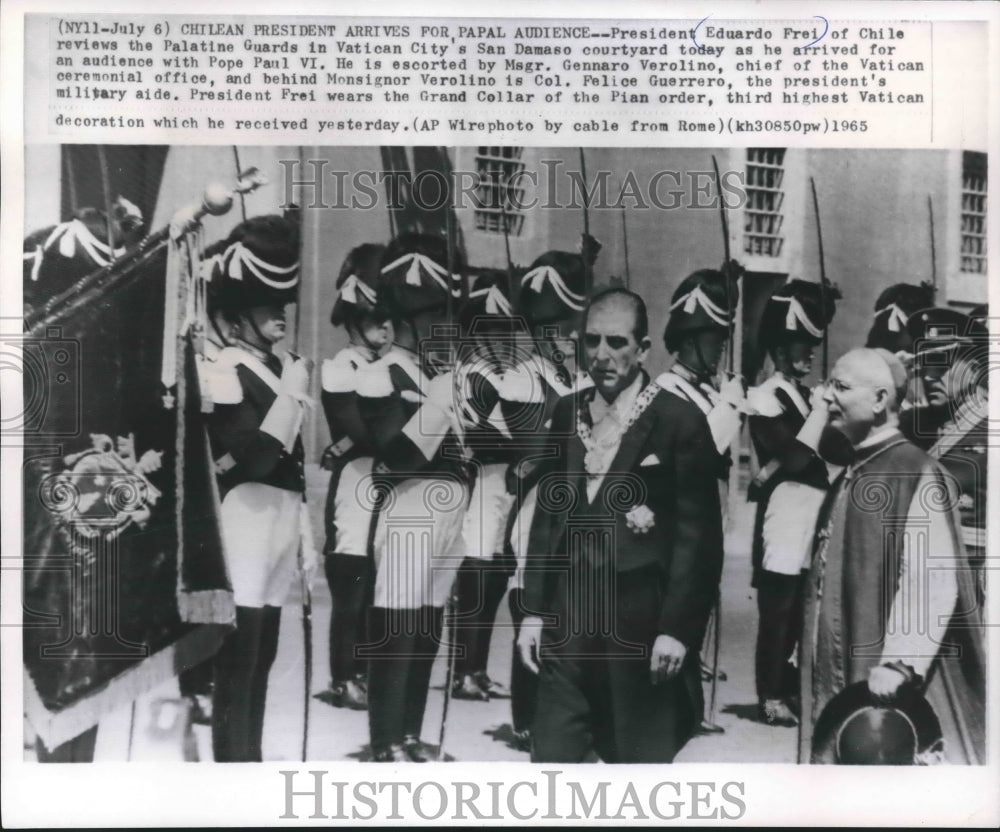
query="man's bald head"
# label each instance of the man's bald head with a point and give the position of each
(864, 392)
(878, 368)
(624, 300)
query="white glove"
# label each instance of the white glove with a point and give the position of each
(295, 377)
(440, 392)
(732, 392)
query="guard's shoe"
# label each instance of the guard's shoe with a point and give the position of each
(706, 673)
(492, 688)
(706, 728)
(468, 688)
(355, 695)
(390, 754)
(776, 712)
(522, 740)
(414, 749)
(201, 709)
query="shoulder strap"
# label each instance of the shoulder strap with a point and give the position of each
(673, 383)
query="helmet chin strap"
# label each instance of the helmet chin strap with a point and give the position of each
(358, 330)
(263, 343)
(703, 371)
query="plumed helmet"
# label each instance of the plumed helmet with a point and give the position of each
(892, 311)
(258, 265)
(943, 327)
(799, 310)
(854, 729)
(554, 288)
(415, 276)
(705, 299)
(359, 283)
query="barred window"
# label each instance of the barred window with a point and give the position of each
(973, 250)
(764, 180)
(496, 197)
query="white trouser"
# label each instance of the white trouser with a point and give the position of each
(261, 529)
(352, 507)
(489, 508)
(418, 542)
(789, 527)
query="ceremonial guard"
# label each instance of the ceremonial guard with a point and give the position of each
(408, 400)
(254, 430)
(697, 334)
(349, 458)
(889, 331)
(786, 423)
(952, 354)
(702, 311)
(55, 258)
(893, 309)
(624, 558)
(551, 302)
(489, 350)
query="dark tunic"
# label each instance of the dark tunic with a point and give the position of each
(608, 591)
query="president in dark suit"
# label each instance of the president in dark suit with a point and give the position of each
(624, 558)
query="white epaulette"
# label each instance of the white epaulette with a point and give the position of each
(521, 384)
(762, 401)
(372, 381)
(339, 374)
(221, 380)
(792, 391)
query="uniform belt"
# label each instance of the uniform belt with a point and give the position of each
(973, 536)
(342, 446)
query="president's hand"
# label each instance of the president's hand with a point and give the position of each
(528, 641)
(667, 658)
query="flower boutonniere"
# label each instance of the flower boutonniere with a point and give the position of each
(640, 519)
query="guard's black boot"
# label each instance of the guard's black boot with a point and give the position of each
(234, 675)
(269, 631)
(427, 626)
(388, 652)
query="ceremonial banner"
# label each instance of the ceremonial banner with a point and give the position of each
(125, 584)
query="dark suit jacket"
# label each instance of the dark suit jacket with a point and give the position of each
(681, 488)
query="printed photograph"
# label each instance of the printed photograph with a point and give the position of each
(497, 453)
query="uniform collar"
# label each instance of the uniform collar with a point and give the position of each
(691, 376)
(256, 352)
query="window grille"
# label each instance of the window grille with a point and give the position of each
(763, 215)
(973, 250)
(496, 198)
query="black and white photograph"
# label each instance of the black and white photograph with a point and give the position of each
(439, 415)
(502, 453)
